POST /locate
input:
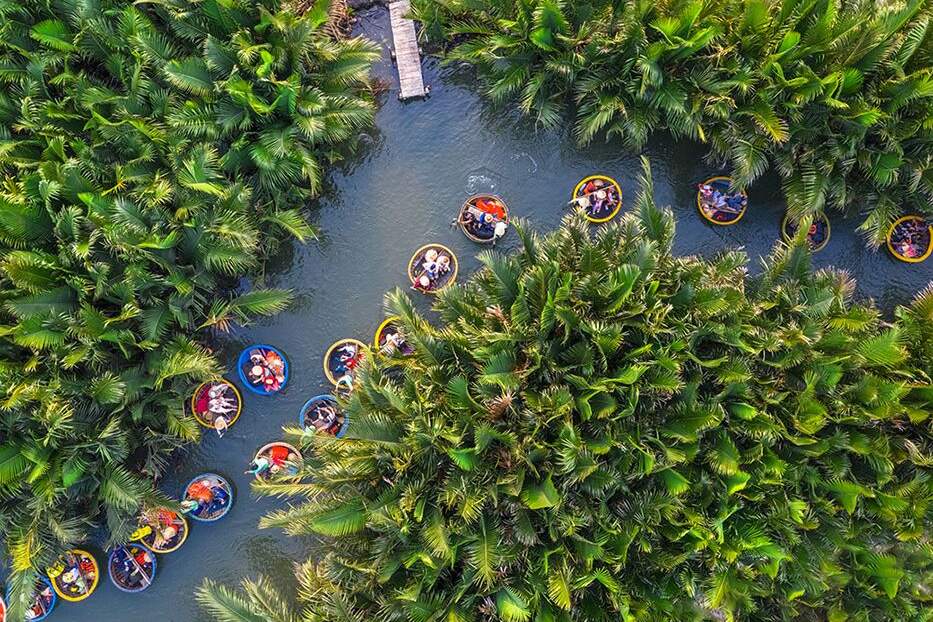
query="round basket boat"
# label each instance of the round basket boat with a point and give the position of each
(216, 399)
(389, 339)
(600, 197)
(213, 503)
(817, 237)
(43, 604)
(279, 459)
(340, 362)
(479, 216)
(272, 364)
(162, 530)
(416, 269)
(75, 575)
(910, 239)
(131, 567)
(723, 215)
(314, 420)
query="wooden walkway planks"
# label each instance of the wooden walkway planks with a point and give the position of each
(407, 56)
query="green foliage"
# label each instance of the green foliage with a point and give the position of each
(836, 96)
(708, 447)
(151, 154)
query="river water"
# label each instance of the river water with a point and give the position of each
(401, 191)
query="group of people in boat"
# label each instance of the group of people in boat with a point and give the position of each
(132, 567)
(266, 370)
(217, 404)
(160, 528)
(205, 497)
(323, 417)
(278, 459)
(392, 340)
(599, 197)
(719, 204)
(74, 575)
(434, 267)
(910, 238)
(348, 358)
(485, 218)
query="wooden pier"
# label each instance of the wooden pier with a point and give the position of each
(407, 56)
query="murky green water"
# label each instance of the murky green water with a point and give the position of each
(421, 162)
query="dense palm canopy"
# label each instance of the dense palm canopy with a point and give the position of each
(151, 154)
(837, 95)
(601, 430)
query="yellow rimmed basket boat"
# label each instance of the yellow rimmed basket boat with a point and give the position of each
(75, 575)
(598, 208)
(388, 328)
(479, 216)
(215, 389)
(156, 527)
(443, 279)
(910, 239)
(719, 216)
(339, 362)
(817, 236)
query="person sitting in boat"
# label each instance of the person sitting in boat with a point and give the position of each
(500, 230)
(220, 499)
(443, 264)
(486, 224)
(345, 382)
(222, 406)
(165, 537)
(430, 264)
(72, 582)
(467, 219)
(393, 341)
(282, 459)
(593, 185)
(430, 258)
(600, 203)
(422, 283)
(128, 571)
(41, 604)
(221, 425)
(491, 207)
(258, 467)
(326, 418)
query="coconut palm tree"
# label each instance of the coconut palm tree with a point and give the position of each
(152, 154)
(834, 96)
(599, 429)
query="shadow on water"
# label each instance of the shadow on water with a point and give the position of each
(402, 190)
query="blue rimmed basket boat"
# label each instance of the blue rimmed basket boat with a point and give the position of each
(343, 420)
(206, 514)
(244, 361)
(129, 574)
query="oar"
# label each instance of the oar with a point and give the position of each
(726, 209)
